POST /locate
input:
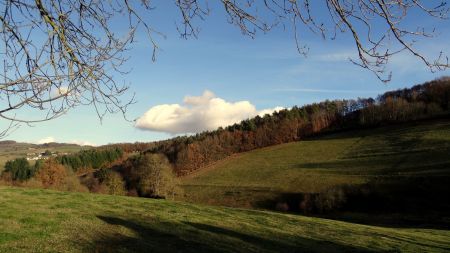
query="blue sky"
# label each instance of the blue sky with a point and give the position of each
(266, 71)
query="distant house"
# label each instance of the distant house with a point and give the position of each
(41, 156)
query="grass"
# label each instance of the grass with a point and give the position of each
(18, 150)
(33, 220)
(36, 220)
(401, 152)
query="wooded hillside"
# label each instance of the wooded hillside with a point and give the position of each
(189, 153)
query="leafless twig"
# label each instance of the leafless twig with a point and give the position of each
(59, 54)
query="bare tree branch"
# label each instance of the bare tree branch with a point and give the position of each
(60, 54)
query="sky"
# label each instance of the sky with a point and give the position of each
(223, 77)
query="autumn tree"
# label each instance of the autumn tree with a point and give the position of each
(52, 174)
(189, 153)
(114, 183)
(154, 177)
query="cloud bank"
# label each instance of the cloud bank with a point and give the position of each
(196, 114)
(50, 139)
(46, 140)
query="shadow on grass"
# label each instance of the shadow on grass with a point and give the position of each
(393, 220)
(440, 122)
(292, 244)
(410, 202)
(198, 237)
(391, 155)
(147, 239)
(408, 186)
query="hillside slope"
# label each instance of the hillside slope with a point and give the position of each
(76, 222)
(400, 155)
(10, 150)
(195, 152)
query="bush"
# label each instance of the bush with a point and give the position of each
(72, 183)
(32, 183)
(101, 174)
(330, 200)
(307, 203)
(52, 174)
(282, 207)
(91, 183)
(153, 177)
(114, 183)
(6, 178)
(19, 169)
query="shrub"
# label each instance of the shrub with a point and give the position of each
(32, 183)
(6, 178)
(91, 183)
(101, 174)
(153, 177)
(282, 207)
(19, 169)
(72, 183)
(330, 200)
(307, 204)
(114, 183)
(52, 174)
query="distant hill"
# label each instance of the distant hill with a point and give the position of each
(392, 169)
(190, 153)
(10, 149)
(7, 142)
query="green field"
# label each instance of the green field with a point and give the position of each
(11, 151)
(409, 163)
(402, 153)
(34, 220)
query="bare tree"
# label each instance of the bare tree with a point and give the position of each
(59, 54)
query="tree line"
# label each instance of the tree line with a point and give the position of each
(102, 170)
(92, 158)
(189, 153)
(58, 172)
(150, 169)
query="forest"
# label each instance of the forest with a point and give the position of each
(151, 169)
(189, 153)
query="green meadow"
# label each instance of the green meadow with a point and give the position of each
(35, 220)
(400, 154)
(11, 151)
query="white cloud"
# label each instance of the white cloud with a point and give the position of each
(71, 93)
(196, 114)
(270, 111)
(82, 143)
(47, 139)
(50, 139)
(62, 90)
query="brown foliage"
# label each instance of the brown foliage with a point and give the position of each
(152, 176)
(190, 153)
(52, 174)
(115, 185)
(6, 178)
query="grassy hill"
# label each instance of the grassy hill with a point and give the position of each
(402, 156)
(80, 222)
(10, 150)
